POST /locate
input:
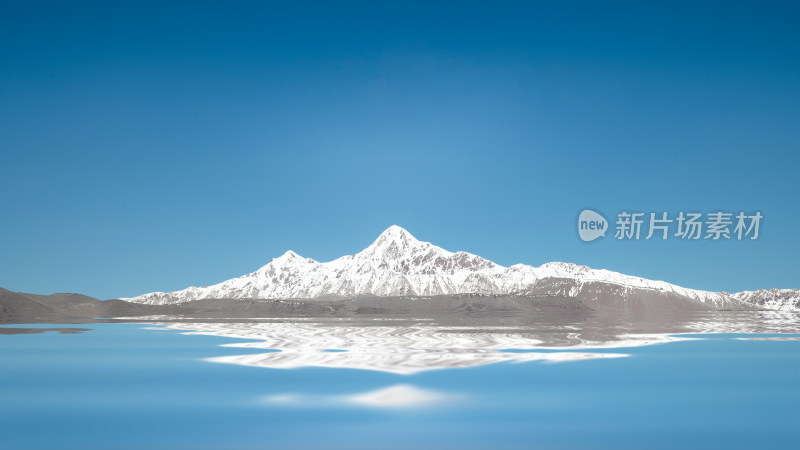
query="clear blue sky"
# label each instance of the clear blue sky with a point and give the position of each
(155, 145)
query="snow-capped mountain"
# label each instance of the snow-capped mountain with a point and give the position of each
(397, 264)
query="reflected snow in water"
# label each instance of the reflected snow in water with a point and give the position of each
(413, 346)
(396, 349)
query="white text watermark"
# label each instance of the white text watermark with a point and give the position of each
(716, 225)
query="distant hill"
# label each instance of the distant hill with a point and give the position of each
(16, 307)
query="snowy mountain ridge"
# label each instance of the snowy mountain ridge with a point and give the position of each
(397, 264)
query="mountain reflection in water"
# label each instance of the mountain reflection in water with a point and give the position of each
(407, 346)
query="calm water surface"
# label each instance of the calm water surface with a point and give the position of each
(296, 384)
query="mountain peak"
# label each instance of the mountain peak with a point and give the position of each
(397, 235)
(394, 247)
(396, 231)
(288, 256)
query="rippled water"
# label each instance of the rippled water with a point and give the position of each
(721, 380)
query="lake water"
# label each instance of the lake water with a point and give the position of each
(409, 384)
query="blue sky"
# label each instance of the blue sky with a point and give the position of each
(150, 147)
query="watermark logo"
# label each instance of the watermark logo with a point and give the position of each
(714, 226)
(591, 225)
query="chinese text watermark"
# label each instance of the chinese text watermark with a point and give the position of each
(717, 225)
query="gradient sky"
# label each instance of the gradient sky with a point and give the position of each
(155, 145)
